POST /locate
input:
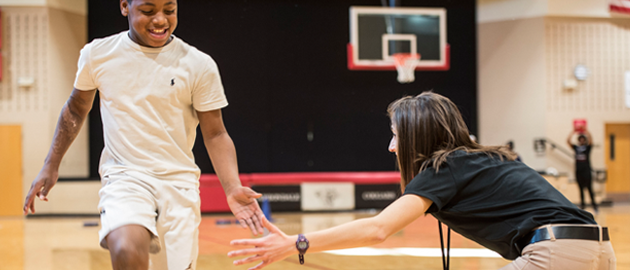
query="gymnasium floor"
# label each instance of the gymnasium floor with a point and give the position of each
(56, 243)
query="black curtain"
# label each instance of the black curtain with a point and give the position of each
(294, 105)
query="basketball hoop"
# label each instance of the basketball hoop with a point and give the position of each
(406, 66)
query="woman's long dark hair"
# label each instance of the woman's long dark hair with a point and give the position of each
(429, 127)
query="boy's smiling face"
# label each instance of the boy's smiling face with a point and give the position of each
(151, 22)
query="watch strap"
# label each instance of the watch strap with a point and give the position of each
(302, 245)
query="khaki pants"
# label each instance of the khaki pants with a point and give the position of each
(566, 254)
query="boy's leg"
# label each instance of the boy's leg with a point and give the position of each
(590, 192)
(129, 247)
(128, 214)
(580, 182)
(179, 250)
(178, 228)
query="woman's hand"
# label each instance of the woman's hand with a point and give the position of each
(358, 233)
(269, 249)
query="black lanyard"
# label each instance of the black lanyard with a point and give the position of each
(445, 259)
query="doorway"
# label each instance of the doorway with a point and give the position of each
(10, 170)
(617, 152)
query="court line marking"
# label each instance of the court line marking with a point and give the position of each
(415, 252)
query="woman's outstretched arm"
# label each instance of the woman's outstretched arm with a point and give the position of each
(362, 232)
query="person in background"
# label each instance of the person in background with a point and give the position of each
(583, 171)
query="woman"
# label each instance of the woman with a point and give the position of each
(478, 191)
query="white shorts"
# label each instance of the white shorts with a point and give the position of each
(172, 215)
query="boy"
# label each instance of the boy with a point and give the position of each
(154, 91)
(583, 171)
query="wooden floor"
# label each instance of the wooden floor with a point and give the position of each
(66, 243)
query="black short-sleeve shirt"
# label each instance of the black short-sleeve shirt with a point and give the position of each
(582, 158)
(493, 202)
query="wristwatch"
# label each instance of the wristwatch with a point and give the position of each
(302, 245)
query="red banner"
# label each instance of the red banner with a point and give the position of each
(620, 6)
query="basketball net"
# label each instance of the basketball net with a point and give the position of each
(406, 66)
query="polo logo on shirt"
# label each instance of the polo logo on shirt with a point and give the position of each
(172, 81)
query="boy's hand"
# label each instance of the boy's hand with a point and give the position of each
(40, 187)
(269, 249)
(243, 204)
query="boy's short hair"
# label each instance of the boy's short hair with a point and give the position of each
(581, 136)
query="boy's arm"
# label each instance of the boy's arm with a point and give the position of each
(569, 140)
(70, 121)
(242, 200)
(589, 139)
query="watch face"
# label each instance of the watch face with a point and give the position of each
(302, 245)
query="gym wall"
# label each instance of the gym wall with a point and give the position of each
(40, 45)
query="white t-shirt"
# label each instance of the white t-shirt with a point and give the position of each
(148, 100)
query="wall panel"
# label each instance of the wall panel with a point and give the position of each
(25, 45)
(603, 47)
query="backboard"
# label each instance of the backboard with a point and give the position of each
(376, 33)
